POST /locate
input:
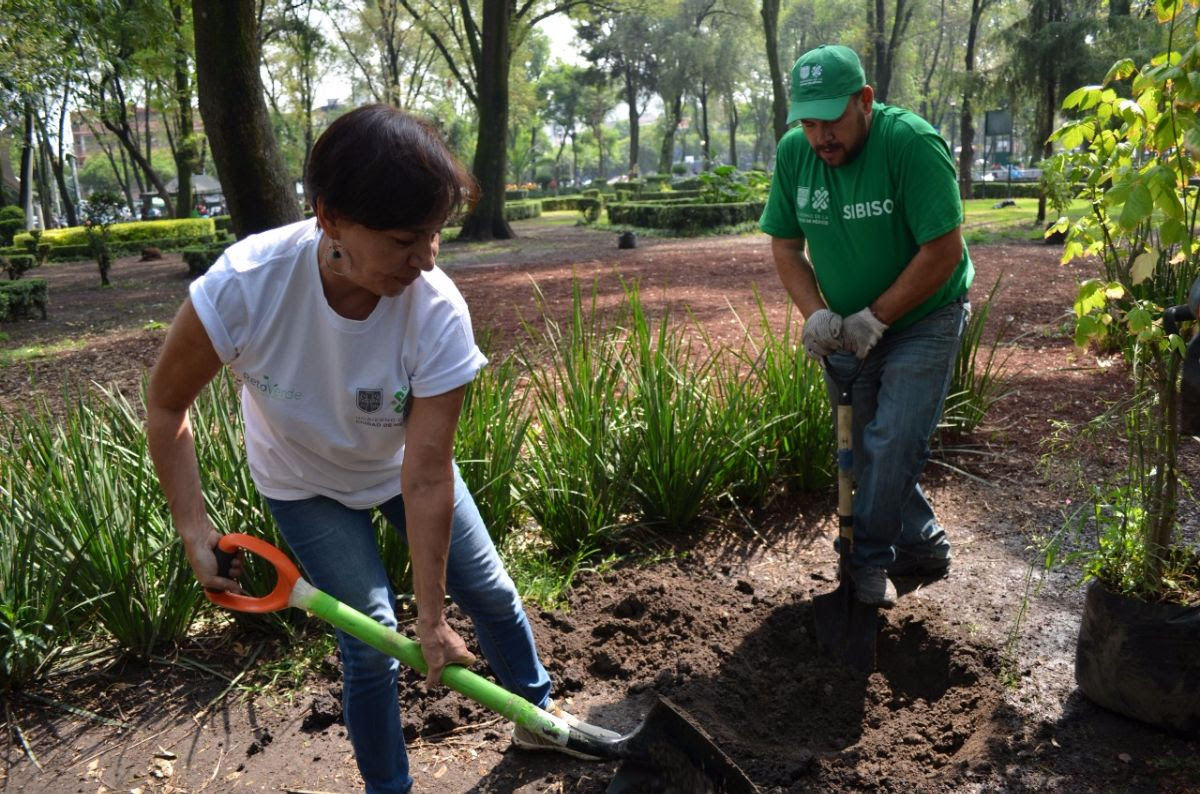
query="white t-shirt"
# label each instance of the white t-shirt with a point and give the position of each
(324, 397)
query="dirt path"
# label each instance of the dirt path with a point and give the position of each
(974, 689)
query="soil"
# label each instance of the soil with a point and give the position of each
(974, 688)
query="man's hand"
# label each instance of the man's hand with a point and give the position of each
(822, 333)
(860, 332)
(441, 645)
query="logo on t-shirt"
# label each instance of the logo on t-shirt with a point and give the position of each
(369, 400)
(801, 196)
(400, 401)
(820, 199)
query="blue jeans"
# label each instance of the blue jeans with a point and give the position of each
(898, 397)
(337, 548)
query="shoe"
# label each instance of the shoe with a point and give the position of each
(927, 563)
(873, 587)
(528, 740)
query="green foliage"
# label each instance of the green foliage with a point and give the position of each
(134, 232)
(491, 434)
(589, 206)
(521, 210)
(978, 381)
(12, 221)
(1131, 147)
(200, 258)
(727, 185)
(16, 265)
(686, 219)
(20, 299)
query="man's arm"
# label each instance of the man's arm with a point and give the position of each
(924, 275)
(796, 272)
(427, 484)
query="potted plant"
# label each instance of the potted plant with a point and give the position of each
(1130, 150)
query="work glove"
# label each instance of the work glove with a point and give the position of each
(822, 333)
(860, 332)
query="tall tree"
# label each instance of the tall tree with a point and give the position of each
(966, 157)
(779, 92)
(885, 41)
(621, 44)
(257, 187)
(488, 39)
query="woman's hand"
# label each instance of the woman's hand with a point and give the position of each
(441, 645)
(200, 545)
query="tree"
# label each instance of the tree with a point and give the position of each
(256, 184)
(966, 158)
(621, 45)
(489, 39)
(884, 43)
(560, 91)
(779, 92)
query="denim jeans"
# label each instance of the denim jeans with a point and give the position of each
(336, 546)
(898, 397)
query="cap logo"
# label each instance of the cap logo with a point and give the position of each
(810, 74)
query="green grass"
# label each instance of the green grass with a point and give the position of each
(32, 352)
(984, 223)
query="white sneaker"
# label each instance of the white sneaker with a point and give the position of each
(528, 740)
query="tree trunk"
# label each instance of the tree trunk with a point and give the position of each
(779, 94)
(666, 153)
(26, 197)
(966, 157)
(257, 188)
(705, 143)
(733, 127)
(631, 93)
(185, 149)
(486, 220)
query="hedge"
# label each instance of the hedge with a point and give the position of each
(683, 217)
(200, 258)
(19, 298)
(16, 264)
(999, 190)
(560, 203)
(520, 210)
(145, 232)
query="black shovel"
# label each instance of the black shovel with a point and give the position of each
(846, 627)
(667, 747)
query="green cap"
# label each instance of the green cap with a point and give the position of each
(822, 82)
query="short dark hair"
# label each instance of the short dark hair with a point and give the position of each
(386, 169)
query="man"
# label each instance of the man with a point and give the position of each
(865, 218)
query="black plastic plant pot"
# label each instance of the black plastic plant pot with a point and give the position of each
(1141, 660)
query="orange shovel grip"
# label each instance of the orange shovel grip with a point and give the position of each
(286, 573)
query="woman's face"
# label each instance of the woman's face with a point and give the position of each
(384, 262)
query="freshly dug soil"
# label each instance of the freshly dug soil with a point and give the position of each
(974, 689)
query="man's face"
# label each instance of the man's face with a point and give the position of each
(839, 141)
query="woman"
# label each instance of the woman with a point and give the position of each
(353, 351)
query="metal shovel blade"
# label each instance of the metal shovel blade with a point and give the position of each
(670, 752)
(846, 628)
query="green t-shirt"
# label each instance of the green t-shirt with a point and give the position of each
(864, 221)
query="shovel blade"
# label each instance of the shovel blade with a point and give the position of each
(846, 628)
(670, 752)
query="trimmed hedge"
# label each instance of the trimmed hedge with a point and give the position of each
(999, 190)
(200, 258)
(520, 210)
(143, 232)
(19, 298)
(519, 194)
(683, 217)
(16, 264)
(560, 203)
(12, 221)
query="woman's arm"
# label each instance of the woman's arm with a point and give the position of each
(185, 366)
(427, 483)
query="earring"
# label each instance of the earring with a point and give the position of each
(336, 253)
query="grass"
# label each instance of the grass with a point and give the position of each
(33, 352)
(986, 224)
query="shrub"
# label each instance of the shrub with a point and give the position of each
(687, 218)
(142, 232)
(589, 207)
(19, 298)
(560, 203)
(999, 190)
(16, 265)
(12, 221)
(725, 184)
(520, 210)
(516, 195)
(200, 258)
